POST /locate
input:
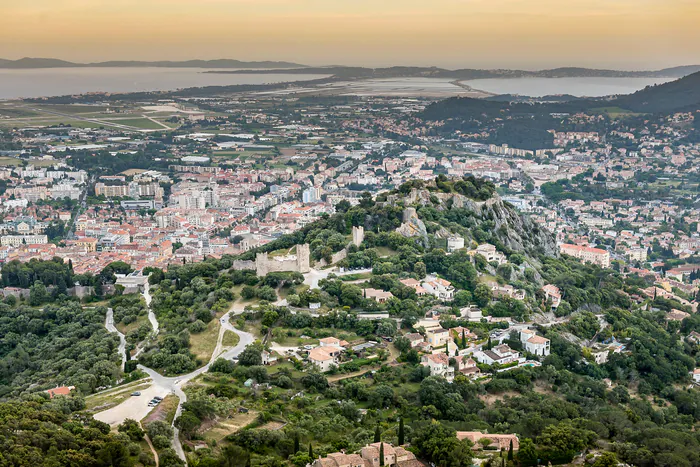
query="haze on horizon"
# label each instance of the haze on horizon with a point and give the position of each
(533, 34)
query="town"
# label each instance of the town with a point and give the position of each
(291, 278)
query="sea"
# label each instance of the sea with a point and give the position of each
(45, 82)
(579, 87)
(28, 83)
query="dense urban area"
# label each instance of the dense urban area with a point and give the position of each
(272, 276)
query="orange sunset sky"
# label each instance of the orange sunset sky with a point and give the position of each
(530, 34)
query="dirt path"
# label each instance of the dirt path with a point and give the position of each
(153, 450)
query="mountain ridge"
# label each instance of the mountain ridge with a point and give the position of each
(36, 63)
(351, 72)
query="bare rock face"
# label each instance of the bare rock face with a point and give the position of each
(413, 227)
(516, 231)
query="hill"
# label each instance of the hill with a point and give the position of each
(28, 63)
(679, 95)
(344, 72)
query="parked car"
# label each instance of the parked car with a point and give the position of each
(137, 393)
(157, 398)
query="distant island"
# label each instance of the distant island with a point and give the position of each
(33, 63)
(349, 72)
(344, 72)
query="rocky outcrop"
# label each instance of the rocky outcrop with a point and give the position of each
(413, 227)
(514, 230)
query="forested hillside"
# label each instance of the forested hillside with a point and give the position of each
(55, 346)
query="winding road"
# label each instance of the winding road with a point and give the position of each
(109, 325)
(137, 408)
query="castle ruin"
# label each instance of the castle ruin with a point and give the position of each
(299, 262)
(358, 235)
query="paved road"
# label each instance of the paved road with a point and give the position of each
(109, 324)
(137, 408)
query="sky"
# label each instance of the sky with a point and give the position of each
(527, 34)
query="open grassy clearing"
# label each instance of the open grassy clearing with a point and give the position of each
(227, 426)
(204, 343)
(127, 328)
(230, 339)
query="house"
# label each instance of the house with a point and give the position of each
(325, 355)
(501, 354)
(500, 442)
(369, 457)
(467, 366)
(414, 338)
(427, 323)
(269, 358)
(440, 288)
(490, 253)
(676, 315)
(415, 285)
(60, 391)
(471, 312)
(439, 364)
(587, 255)
(377, 295)
(533, 343)
(552, 293)
(459, 332)
(507, 291)
(696, 375)
(437, 337)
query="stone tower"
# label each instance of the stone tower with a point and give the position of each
(358, 235)
(408, 214)
(303, 258)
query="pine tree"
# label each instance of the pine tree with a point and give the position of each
(401, 434)
(377, 435)
(381, 454)
(311, 451)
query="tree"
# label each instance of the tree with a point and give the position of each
(132, 429)
(234, 456)
(401, 432)
(510, 451)
(439, 444)
(482, 295)
(251, 355)
(377, 434)
(38, 294)
(607, 459)
(381, 454)
(311, 451)
(419, 269)
(296, 443)
(527, 454)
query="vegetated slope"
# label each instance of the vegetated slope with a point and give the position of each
(679, 95)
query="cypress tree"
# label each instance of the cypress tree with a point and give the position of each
(464, 340)
(381, 454)
(296, 443)
(377, 435)
(401, 434)
(311, 451)
(510, 451)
